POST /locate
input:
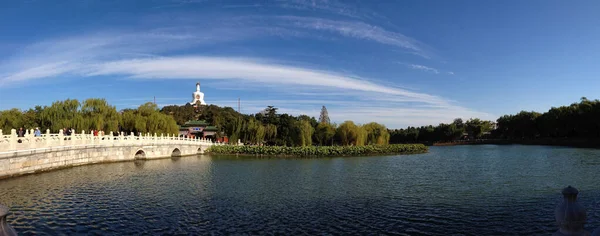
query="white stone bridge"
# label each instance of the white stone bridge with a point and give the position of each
(30, 154)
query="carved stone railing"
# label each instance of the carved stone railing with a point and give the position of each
(5, 229)
(571, 216)
(11, 142)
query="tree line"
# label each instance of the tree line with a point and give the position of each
(578, 120)
(274, 129)
(91, 114)
(458, 129)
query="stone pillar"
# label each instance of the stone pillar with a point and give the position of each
(5, 229)
(93, 138)
(0, 132)
(48, 138)
(110, 137)
(13, 139)
(570, 215)
(61, 138)
(31, 137)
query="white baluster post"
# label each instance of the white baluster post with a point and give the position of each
(61, 138)
(48, 138)
(31, 137)
(13, 139)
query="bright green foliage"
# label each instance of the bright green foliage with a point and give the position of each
(324, 133)
(92, 114)
(11, 119)
(255, 131)
(306, 131)
(100, 115)
(347, 133)
(270, 132)
(308, 151)
(148, 119)
(376, 134)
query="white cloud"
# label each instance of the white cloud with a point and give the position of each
(363, 111)
(143, 55)
(424, 68)
(359, 30)
(245, 69)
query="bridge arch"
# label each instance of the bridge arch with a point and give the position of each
(140, 154)
(176, 153)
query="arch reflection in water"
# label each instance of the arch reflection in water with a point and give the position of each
(140, 154)
(176, 153)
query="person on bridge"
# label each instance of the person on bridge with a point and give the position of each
(21, 132)
(37, 132)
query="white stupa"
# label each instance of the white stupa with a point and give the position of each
(198, 96)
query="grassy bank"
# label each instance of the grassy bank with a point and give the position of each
(329, 151)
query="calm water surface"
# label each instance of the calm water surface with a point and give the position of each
(462, 190)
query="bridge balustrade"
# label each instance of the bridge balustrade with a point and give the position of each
(11, 141)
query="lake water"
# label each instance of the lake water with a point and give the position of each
(461, 190)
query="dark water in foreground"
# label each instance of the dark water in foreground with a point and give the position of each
(461, 190)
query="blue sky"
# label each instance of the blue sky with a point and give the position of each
(396, 62)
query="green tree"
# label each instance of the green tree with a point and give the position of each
(305, 130)
(324, 133)
(347, 133)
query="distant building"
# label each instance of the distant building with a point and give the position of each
(198, 97)
(201, 129)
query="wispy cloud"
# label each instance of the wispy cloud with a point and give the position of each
(162, 53)
(424, 68)
(359, 30)
(363, 111)
(327, 6)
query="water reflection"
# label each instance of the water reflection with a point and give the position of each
(472, 190)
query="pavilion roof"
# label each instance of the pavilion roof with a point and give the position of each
(195, 123)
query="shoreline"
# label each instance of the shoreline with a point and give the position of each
(291, 156)
(319, 151)
(576, 143)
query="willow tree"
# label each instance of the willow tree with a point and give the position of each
(65, 114)
(100, 115)
(148, 119)
(305, 131)
(11, 119)
(255, 131)
(236, 131)
(376, 133)
(324, 133)
(270, 132)
(347, 132)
